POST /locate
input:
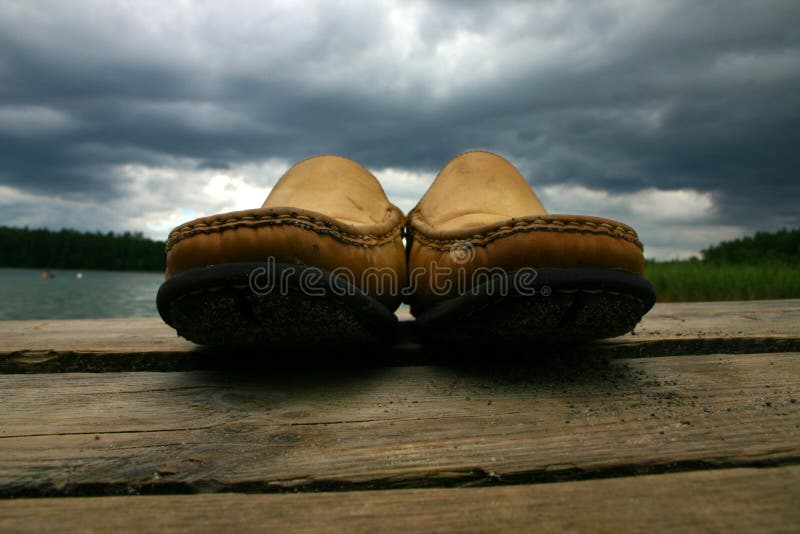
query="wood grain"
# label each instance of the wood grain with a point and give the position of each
(121, 433)
(740, 500)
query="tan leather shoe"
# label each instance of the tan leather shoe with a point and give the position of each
(487, 262)
(321, 261)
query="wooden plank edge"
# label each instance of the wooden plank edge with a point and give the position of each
(471, 478)
(100, 361)
(738, 499)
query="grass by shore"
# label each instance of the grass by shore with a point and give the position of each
(686, 281)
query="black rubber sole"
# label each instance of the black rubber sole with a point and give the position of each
(557, 306)
(271, 304)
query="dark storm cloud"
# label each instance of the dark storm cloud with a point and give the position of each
(613, 96)
(213, 165)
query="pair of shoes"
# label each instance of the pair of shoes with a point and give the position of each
(327, 259)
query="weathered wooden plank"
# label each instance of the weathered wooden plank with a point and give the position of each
(146, 344)
(740, 500)
(707, 327)
(120, 433)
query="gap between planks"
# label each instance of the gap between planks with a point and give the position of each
(147, 344)
(727, 500)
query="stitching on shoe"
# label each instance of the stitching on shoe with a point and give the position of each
(540, 225)
(312, 224)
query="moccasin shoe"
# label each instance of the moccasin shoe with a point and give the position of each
(488, 263)
(321, 261)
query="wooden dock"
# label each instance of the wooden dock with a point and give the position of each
(693, 421)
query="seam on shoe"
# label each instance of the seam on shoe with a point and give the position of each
(537, 225)
(542, 221)
(305, 222)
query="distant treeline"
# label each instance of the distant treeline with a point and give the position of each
(764, 247)
(70, 249)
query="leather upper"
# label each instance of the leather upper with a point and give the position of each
(326, 211)
(481, 212)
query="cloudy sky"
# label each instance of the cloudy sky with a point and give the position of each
(680, 118)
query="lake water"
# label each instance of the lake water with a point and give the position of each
(25, 295)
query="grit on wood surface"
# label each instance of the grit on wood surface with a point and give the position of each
(147, 344)
(747, 500)
(120, 433)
